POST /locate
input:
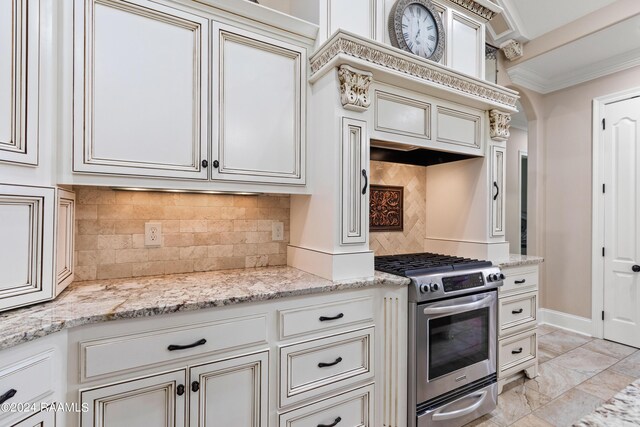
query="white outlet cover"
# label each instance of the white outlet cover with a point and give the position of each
(277, 231)
(153, 234)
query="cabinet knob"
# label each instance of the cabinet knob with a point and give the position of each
(180, 390)
(216, 164)
(205, 163)
(636, 268)
(195, 386)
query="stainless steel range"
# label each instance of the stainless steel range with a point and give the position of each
(452, 336)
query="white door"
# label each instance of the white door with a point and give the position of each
(259, 92)
(157, 401)
(141, 89)
(622, 222)
(232, 392)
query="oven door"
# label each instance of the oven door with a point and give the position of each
(455, 343)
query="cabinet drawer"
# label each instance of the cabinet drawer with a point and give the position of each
(323, 317)
(352, 408)
(522, 279)
(518, 312)
(516, 351)
(115, 354)
(31, 380)
(313, 367)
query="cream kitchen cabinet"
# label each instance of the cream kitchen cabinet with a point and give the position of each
(45, 418)
(174, 96)
(19, 82)
(27, 232)
(517, 319)
(498, 178)
(354, 181)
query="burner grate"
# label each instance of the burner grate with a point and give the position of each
(425, 263)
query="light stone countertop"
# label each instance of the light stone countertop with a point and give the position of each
(103, 300)
(516, 260)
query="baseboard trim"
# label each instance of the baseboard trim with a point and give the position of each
(569, 322)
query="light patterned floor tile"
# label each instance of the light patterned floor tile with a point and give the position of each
(560, 342)
(610, 348)
(629, 365)
(553, 380)
(531, 421)
(517, 403)
(606, 384)
(585, 361)
(568, 408)
(546, 329)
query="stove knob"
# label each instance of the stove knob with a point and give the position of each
(489, 278)
(434, 287)
(424, 288)
(492, 277)
(501, 276)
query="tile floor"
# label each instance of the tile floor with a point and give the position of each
(577, 374)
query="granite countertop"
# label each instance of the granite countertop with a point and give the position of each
(516, 260)
(102, 300)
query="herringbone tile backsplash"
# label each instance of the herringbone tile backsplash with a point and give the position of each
(413, 179)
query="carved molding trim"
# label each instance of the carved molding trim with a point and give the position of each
(354, 88)
(499, 125)
(476, 8)
(394, 60)
(512, 49)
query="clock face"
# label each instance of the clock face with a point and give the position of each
(419, 30)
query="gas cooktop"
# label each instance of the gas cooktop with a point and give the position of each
(409, 265)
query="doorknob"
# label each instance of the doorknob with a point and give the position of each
(636, 268)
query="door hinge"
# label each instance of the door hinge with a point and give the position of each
(603, 251)
(602, 314)
(603, 188)
(603, 124)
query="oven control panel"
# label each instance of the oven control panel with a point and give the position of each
(463, 282)
(443, 285)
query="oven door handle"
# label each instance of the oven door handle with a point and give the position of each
(461, 412)
(457, 307)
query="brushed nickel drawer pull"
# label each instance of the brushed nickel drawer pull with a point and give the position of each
(333, 424)
(326, 365)
(336, 317)
(174, 347)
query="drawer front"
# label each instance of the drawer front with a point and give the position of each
(516, 351)
(106, 356)
(521, 279)
(318, 366)
(322, 317)
(353, 409)
(518, 312)
(31, 381)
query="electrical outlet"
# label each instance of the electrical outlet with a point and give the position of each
(153, 234)
(277, 231)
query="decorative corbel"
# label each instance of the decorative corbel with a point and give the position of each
(512, 49)
(354, 88)
(499, 125)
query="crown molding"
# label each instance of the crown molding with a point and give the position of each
(521, 76)
(397, 67)
(483, 8)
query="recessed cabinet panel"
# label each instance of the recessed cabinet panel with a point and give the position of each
(497, 190)
(459, 128)
(355, 181)
(26, 244)
(152, 401)
(260, 100)
(19, 22)
(64, 239)
(399, 115)
(356, 16)
(231, 392)
(142, 79)
(46, 418)
(466, 46)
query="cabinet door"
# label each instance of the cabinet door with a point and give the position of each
(141, 84)
(19, 22)
(497, 190)
(157, 401)
(65, 239)
(26, 245)
(354, 181)
(260, 98)
(232, 392)
(41, 419)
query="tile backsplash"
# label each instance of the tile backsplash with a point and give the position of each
(414, 181)
(200, 232)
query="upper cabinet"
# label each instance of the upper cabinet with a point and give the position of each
(185, 97)
(141, 89)
(19, 56)
(260, 98)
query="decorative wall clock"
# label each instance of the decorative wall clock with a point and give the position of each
(416, 26)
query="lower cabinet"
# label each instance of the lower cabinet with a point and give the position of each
(518, 317)
(40, 419)
(153, 401)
